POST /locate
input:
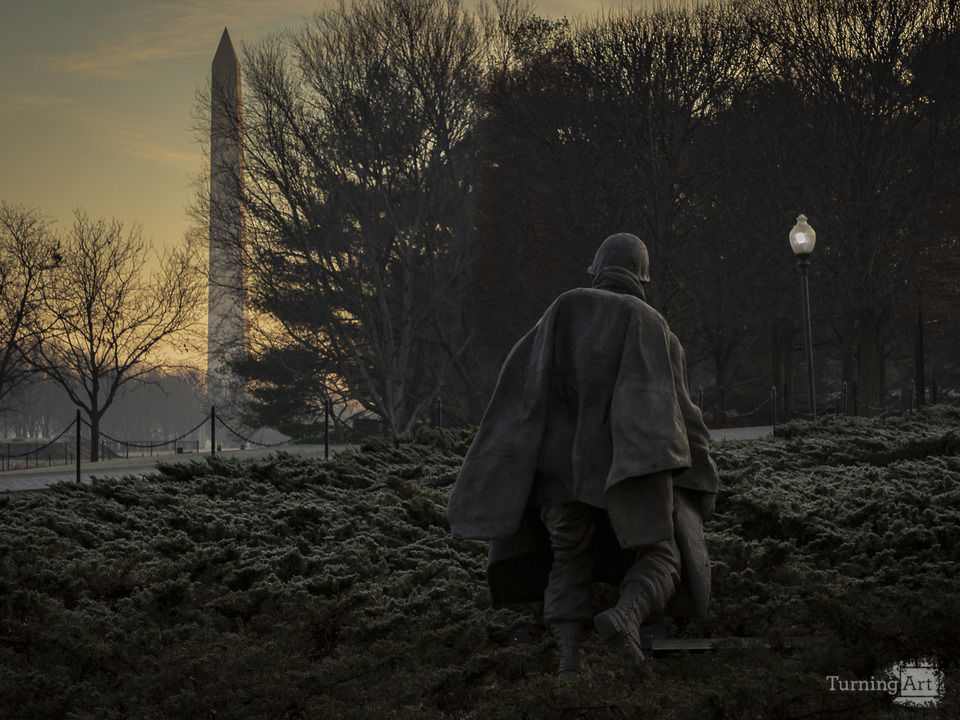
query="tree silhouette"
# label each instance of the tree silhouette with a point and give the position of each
(28, 251)
(102, 318)
(359, 163)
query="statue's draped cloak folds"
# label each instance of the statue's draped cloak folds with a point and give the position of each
(592, 396)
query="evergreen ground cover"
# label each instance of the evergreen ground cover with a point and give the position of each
(303, 588)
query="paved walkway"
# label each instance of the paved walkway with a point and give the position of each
(741, 433)
(43, 477)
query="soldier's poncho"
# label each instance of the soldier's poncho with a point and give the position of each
(593, 396)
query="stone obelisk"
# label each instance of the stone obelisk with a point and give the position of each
(226, 334)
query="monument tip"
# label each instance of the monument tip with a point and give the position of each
(225, 55)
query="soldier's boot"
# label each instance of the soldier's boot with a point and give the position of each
(620, 625)
(567, 635)
(647, 586)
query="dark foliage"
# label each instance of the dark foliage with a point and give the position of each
(296, 588)
(706, 131)
(286, 389)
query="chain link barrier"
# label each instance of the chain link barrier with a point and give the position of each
(845, 402)
(245, 439)
(440, 411)
(150, 445)
(49, 443)
(748, 413)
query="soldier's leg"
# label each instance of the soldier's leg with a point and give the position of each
(646, 588)
(567, 599)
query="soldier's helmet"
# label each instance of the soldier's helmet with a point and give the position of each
(623, 250)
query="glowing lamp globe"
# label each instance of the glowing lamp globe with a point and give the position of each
(802, 237)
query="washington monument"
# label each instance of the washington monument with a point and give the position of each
(225, 323)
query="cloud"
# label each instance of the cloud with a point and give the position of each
(130, 137)
(31, 101)
(133, 35)
(139, 146)
(145, 33)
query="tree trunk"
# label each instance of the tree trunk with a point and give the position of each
(781, 371)
(848, 360)
(94, 436)
(873, 388)
(920, 359)
(720, 374)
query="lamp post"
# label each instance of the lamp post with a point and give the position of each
(802, 240)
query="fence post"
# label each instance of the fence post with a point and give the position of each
(78, 444)
(213, 429)
(934, 391)
(773, 403)
(326, 428)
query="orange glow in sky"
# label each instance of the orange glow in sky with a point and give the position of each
(97, 99)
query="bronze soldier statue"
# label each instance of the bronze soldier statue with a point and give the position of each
(591, 463)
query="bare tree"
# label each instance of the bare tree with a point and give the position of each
(28, 250)
(360, 157)
(666, 76)
(868, 148)
(106, 321)
(601, 127)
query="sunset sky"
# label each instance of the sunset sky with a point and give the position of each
(97, 99)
